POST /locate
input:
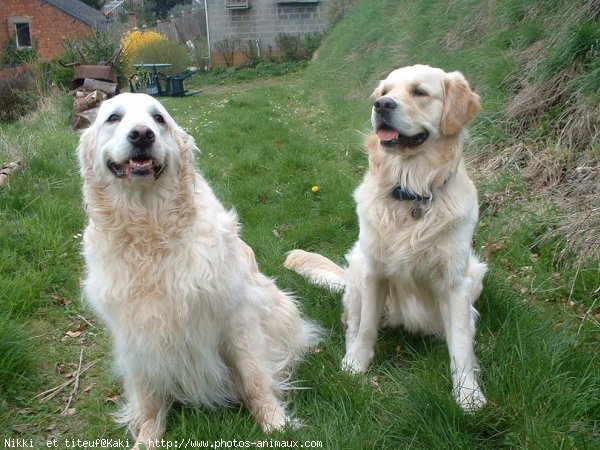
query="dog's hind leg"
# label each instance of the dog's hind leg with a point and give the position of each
(459, 317)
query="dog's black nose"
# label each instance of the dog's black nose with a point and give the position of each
(384, 104)
(141, 136)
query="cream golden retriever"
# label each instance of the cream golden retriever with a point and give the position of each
(417, 208)
(191, 317)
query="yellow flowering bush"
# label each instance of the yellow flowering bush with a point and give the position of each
(151, 47)
(132, 41)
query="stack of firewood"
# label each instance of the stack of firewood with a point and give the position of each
(92, 84)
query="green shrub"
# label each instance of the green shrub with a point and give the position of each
(199, 52)
(98, 48)
(227, 48)
(253, 53)
(18, 93)
(13, 56)
(310, 43)
(163, 51)
(289, 44)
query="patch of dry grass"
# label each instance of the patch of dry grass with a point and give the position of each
(566, 179)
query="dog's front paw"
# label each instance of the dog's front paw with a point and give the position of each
(470, 399)
(354, 364)
(273, 419)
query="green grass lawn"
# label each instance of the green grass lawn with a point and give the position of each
(264, 144)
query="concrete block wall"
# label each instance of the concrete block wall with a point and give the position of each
(263, 21)
(48, 25)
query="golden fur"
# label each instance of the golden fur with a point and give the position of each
(412, 264)
(191, 317)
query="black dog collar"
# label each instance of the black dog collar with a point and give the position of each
(401, 195)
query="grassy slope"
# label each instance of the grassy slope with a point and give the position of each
(263, 149)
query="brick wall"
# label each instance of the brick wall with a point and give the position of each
(48, 25)
(264, 20)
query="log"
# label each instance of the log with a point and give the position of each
(90, 84)
(88, 101)
(83, 119)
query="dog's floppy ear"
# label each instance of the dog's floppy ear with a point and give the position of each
(378, 90)
(85, 148)
(185, 144)
(460, 104)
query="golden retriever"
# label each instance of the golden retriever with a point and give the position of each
(417, 208)
(191, 317)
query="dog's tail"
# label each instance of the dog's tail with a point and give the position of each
(317, 268)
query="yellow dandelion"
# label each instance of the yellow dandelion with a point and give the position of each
(315, 188)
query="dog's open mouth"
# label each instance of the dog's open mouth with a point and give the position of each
(390, 137)
(136, 168)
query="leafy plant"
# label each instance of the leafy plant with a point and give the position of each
(289, 44)
(227, 48)
(253, 52)
(100, 47)
(310, 43)
(199, 52)
(162, 51)
(133, 40)
(13, 56)
(18, 93)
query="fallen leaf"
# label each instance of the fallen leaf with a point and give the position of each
(21, 428)
(374, 381)
(114, 398)
(493, 247)
(61, 301)
(73, 334)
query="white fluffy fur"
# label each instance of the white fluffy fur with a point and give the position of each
(418, 272)
(191, 317)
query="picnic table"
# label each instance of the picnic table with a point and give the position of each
(149, 80)
(146, 78)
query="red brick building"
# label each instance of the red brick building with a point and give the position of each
(44, 24)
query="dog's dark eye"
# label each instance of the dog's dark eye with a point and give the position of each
(159, 118)
(418, 92)
(113, 118)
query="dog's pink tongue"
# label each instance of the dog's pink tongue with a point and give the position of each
(385, 134)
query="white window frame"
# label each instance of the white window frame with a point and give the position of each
(237, 4)
(15, 22)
